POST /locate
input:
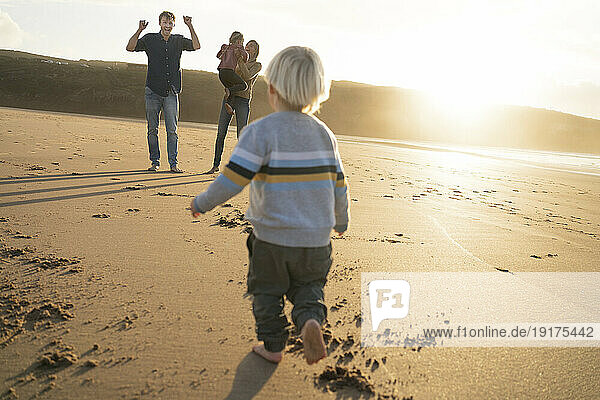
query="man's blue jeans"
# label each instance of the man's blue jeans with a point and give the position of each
(170, 108)
(241, 106)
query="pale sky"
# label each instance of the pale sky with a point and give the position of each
(538, 53)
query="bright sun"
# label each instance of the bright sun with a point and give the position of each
(466, 63)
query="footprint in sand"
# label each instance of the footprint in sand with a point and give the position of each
(333, 379)
(549, 255)
(101, 216)
(19, 235)
(136, 187)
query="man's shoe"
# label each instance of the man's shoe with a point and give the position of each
(153, 168)
(175, 169)
(213, 170)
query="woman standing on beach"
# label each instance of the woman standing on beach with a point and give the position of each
(240, 101)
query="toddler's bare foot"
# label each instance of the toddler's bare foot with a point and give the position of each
(268, 355)
(314, 346)
(228, 108)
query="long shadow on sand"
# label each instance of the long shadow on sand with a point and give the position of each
(61, 188)
(75, 175)
(101, 193)
(251, 375)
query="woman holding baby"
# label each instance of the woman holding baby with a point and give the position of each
(238, 102)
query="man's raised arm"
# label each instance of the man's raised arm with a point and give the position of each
(134, 39)
(195, 42)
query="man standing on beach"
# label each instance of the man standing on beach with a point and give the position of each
(163, 81)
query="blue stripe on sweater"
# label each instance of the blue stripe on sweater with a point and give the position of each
(244, 163)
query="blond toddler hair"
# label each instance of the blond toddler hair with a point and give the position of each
(297, 75)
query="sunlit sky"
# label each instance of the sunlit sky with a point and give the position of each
(538, 53)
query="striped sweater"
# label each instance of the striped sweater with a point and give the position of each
(298, 191)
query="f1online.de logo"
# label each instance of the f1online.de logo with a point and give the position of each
(389, 300)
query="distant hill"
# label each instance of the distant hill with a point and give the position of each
(116, 89)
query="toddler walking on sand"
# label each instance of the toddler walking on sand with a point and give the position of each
(228, 55)
(298, 194)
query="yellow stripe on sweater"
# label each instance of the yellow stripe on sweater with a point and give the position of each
(323, 176)
(235, 177)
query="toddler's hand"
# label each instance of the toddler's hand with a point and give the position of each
(340, 229)
(195, 213)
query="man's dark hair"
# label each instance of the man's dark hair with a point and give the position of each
(166, 14)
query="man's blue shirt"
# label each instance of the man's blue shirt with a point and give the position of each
(164, 70)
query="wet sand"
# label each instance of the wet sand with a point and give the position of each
(109, 289)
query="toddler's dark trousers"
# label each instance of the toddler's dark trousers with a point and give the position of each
(299, 274)
(232, 81)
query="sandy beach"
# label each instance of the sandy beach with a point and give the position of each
(109, 288)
